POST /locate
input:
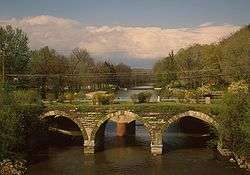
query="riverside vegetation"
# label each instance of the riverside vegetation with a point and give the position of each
(222, 66)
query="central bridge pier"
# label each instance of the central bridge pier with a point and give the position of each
(125, 129)
(92, 125)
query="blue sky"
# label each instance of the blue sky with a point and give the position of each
(137, 32)
(163, 13)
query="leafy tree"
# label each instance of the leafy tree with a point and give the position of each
(218, 63)
(81, 62)
(105, 73)
(124, 73)
(48, 63)
(166, 70)
(189, 63)
(14, 50)
(236, 53)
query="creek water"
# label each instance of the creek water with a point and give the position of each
(186, 155)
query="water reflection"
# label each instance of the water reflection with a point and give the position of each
(125, 94)
(123, 156)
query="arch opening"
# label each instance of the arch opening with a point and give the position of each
(188, 132)
(64, 131)
(113, 133)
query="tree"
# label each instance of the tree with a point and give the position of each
(166, 70)
(105, 73)
(51, 67)
(124, 73)
(14, 50)
(217, 63)
(81, 62)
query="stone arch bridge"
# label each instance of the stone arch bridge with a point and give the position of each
(92, 124)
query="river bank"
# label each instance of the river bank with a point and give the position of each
(13, 167)
(242, 161)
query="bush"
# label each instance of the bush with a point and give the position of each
(103, 99)
(178, 93)
(17, 120)
(234, 119)
(190, 95)
(238, 87)
(166, 93)
(71, 96)
(80, 95)
(134, 98)
(204, 90)
(142, 97)
(26, 96)
(10, 130)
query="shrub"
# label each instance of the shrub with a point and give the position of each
(50, 97)
(9, 132)
(204, 90)
(71, 96)
(142, 97)
(80, 95)
(238, 87)
(134, 98)
(234, 118)
(166, 93)
(190, 95)
(103, 99)
(178, 93)
(17, 120)
(26, 96)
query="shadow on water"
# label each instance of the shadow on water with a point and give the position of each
(122, 156)
(112, 141)
(187, 133)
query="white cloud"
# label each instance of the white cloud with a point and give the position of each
(206, 24)
(133, 42)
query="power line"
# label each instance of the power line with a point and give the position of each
(130, 73)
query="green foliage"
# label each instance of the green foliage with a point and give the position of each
(10, 131)
(121, 70)
(80, 62)
(230, 58)
(18, 116)
(164, 107)
(166, 92)
(71, 96)
(245, 125)
(234, 117)
(26, 97)
(14, 50)
(165, 70)
(178, 93)
(204, 90)
(47, 62)
(103, 99)
(142, 97)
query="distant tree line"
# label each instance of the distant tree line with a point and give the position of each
(54, 71)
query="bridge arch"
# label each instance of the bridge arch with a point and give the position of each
(57, 113)
(120, 116)
(195, 114)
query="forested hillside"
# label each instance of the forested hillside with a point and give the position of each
(218, 63)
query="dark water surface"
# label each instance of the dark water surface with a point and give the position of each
(132, 156)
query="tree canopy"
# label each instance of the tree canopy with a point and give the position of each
(218, 63)
(14, 50)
